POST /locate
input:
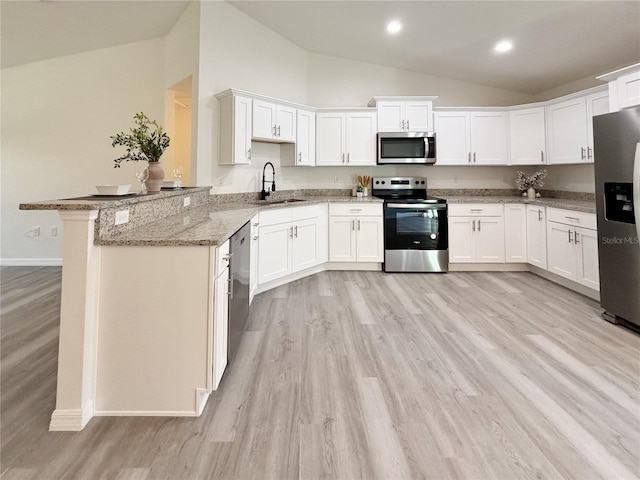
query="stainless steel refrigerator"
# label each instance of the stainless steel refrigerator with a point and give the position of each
(617, 174)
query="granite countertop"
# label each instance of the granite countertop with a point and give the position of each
(210, 224)
(585, 206)
(96, 202)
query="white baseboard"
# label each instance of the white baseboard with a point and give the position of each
(30, 262)
(70, 420)
(202, 395)
(147, 413)
(488, 267)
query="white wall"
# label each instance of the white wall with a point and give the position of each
(57, 117)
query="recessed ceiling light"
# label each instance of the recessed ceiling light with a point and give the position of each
(503, 46)
(394, 27)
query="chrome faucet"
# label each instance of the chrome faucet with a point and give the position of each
(264, 194)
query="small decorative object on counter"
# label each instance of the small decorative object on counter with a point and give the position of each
(363, 181)
(146, 142)
(359, 191)
(527, 183)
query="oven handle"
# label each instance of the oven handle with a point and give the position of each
(418, 206)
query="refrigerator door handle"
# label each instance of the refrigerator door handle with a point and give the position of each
(636, 188)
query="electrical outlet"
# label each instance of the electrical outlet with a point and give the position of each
(186, 220)
(336, 179)
(122, 217)
(36, 231)
(54, 231)
(186, 201)
(220, 182)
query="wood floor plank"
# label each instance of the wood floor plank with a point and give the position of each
(355, 375)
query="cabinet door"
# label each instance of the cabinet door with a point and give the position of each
(361, 138)
(286, 120)
(536, 236)
(561, 254)
(390, 116)
(527, 136)
(488, 138)
(274, 252)
(515, 233)
(253, 260)
(452, 138)
(567, 132)
(628, 87)
(330, 139)
(242, 130)
(597, 104)
(306, 138)
(370, 238)
(489, 240)
(461, 239)
(264, 120)
(342, 239)
(305, 244)
(418, 116)
(587, 251)
(220, 325)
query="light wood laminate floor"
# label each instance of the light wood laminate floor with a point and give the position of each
(356, 375)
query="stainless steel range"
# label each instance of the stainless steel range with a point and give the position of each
(415, 226)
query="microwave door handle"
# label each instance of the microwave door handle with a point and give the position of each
(426, 147)
(636, 188)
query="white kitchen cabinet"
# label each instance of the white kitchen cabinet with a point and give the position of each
(537, 236)
(471, 138)
(527, 136)
(570, 128)
(405, 116)
(624, 87)
(291, 240)
(515, 233)
(273, 122)
(235, 129)
(572, 242)
(253, 269)
(220, 314)
(306, 138)
(476, 233)
(356, 232)
(346, 138)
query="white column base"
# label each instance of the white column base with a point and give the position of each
(70, 420)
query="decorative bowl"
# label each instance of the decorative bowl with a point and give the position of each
(113, 189)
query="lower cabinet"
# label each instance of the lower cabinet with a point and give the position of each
(253, 269)
(515, 232)
(476, 233)
(356, 233)
(572, 242)
(537, 236)
(291, 240)
(220, 313)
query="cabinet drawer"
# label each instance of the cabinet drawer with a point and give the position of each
(274, 217)
(569, 217)
(305, 212)
(222, 258)
(355, 209)
(475, 210)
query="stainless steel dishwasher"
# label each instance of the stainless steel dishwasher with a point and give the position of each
(239, 295)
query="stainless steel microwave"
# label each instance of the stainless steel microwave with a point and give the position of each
(406, 148)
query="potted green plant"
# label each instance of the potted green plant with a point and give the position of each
(147, 141)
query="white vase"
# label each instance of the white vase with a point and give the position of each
(531, 193)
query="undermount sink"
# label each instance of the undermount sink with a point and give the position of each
(278, 202)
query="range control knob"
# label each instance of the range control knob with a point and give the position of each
(417, 182)
(377, 182)
(383, 182)
(422, 182)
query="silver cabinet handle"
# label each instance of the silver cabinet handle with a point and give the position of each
(573, 218)
(256, 237)
(403, 125)
(539, 215)
(589, 152)
(358, 224)
(478, 224)
(576, 238)
(290, 232)
(343, 158)
(408, 127)
(255, 224)
(469, 157)
(230, 287)
(249, 154)
(582, 153)
(278, 130)
(542, 156)
(473, 228)
(274, 130)
(477, 209)
(299, 157)
(227, 257)
(570, 238)
(353, 224)
(474, 157)
(295, 230)
(348, 157)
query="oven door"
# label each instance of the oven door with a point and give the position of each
(415, 226)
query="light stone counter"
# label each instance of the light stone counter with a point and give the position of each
(586, 206)
(211, 224)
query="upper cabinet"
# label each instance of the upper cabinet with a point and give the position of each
(306, 138)
(235, 129)
(570, 128)
(273, 122)
(404, 114)
(527, 136)
(471, 137)
(624, 87)
(346, 138)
